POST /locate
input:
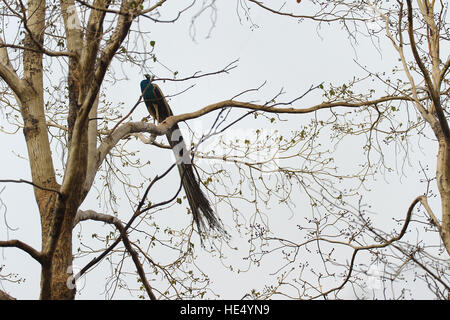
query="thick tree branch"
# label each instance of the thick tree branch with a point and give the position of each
(91, 167)
(91, 45)
(76, 162)
(23, 246)
(433, 218)
(444, 71)
(434, 94)
(84, 215)
(8, 74)
(5, 296)
(274, 109)
(106, 56)
(112, 140)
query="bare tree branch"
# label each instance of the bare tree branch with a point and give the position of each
(136, 214)
(322, 17)
(30, 183)
(374, 246)
(5, 296)
(431, 89)
(23, 246)
(92, 215)
(7, 72)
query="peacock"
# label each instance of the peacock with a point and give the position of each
(159, 109)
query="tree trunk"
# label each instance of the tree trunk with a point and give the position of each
(60, 268)
(56, 272)
(55, 266)
(443, 182)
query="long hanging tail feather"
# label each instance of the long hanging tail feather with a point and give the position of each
(159, 109)
(204, 215)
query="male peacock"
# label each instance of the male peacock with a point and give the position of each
(159, 109)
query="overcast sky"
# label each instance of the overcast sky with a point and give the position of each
(282, 52)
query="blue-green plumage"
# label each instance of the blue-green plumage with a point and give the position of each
(156, 104)
(159, 109)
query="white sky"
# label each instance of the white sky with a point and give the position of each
(283, 52)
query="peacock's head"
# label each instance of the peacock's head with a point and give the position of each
(149, 77)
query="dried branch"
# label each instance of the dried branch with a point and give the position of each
(8, 74)
(41, 48)
(30, 183)
(92, 215)
(5, 296)
(136, 214)
(374, 246)
(429, 83)
(273, 108)
(23, 246)
(311, 17)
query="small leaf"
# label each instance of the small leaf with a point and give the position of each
(152, 43)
